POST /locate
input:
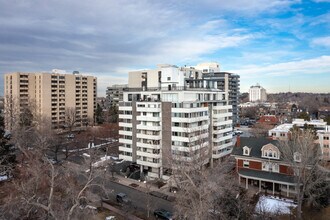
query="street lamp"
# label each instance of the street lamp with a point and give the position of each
(148, 196)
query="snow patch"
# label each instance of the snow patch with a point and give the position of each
(274, 205)
(3, 178)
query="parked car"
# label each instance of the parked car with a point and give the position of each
(70, 136)
(238, 132)
(163, 214)
(122, 198)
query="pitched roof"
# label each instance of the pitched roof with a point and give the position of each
(267, 175)
(255, 144)
(268, 119)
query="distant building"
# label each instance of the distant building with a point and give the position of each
(282, 132)
(268, 120)
(50, 96)
(165, 76)
(211, 67)
(257, 94)
(227, 82)
(230, 84)
(324, 142)
(323, 112)
(114, 94)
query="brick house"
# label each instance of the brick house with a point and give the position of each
(259, 164)
(268, 120)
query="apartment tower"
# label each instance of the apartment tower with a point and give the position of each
(51, 96)
(257, 94)
(225, 81)
(162, 119)
(114, 94)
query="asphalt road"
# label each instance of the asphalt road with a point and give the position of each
(246, 131)
(139, 199)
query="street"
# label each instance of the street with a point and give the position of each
(139, 199)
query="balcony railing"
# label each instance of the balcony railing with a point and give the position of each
(168, 88)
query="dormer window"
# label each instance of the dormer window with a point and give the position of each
(297, 157)
(270, 151)
(246, 151)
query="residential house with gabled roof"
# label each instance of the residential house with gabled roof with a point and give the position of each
(283, 132)
(259, 164)
(268, 120)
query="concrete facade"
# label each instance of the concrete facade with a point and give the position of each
(257, 94)
(49, 96)
(114, 94)
(173, 121)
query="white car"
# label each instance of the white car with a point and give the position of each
(70, 136)
(238, 132)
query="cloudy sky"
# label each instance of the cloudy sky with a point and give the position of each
(281, 44)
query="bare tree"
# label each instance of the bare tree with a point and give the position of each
(11, 112)
(70, 117)
(7, 155)
(204, 192)
(249, 112)
(261, 130)
(42, 190)
(210, 193)
(303, 156)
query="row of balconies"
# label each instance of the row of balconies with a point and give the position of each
(149, 163)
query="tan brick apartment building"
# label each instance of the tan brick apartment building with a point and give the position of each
(50, 96)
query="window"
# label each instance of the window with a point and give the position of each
(270, 153)
(246, 151)
(297, 157)
(265, 166)
(168, 78)
(246, 163)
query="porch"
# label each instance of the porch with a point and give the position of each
(267, 182)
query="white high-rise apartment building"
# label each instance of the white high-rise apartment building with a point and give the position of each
(167, 120)
(114, 94)
(257, 94)
(227, 82)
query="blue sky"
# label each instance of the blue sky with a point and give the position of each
(281, 44)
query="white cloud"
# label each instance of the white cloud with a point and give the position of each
(246, 7)
(321, 41)
(316, 65)
(110, 36)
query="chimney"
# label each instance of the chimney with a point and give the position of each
(238, 141)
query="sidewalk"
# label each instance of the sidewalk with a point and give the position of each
(120, 212)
